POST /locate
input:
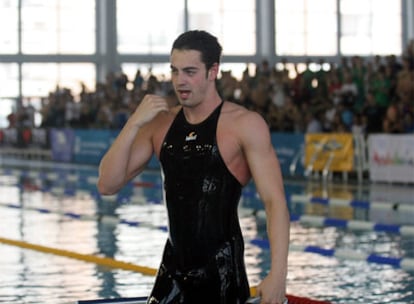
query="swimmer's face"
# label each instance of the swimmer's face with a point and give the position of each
(190, 78)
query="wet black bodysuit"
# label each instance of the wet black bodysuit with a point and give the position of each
(203, 258)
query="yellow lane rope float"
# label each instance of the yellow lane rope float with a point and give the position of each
(90, 258)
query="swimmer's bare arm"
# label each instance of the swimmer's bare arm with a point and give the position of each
(132, 149)
(265, 169)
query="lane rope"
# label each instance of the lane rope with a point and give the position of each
(353, 203)
(311, 220)
(340, 253)
(116, 264)
(355, 225)
(345, 254)
(294, 198)
(103, 261)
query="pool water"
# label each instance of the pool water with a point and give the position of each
(57, 206)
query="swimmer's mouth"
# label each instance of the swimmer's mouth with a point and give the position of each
(183, 94)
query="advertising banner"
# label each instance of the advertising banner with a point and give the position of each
(10, 137)
(62, 142)
(329, 149)
(24, 138)
(85, 146)
(391, 157)
(39, 138)
(91, 145)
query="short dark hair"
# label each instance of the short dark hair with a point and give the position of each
(201, 41)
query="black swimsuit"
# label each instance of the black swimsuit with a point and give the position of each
(203, 260)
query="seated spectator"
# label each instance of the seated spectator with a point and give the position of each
(347, 116)
(329, 115)
(260, 96)
(334, 86)
(278, 89)
(228, 85)
(392, 122)
(338, 125)
(313, 123)
(348, 90)
(290, 116)
(408, 122)
(12, 119)
(358, 125)
(405, 80)
(372, 114)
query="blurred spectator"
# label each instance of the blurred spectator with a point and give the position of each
(329, 116)
(138, 81)
(307, 84)
(392, 122)
(348, 90)
(372, 114)
(357, 95)
(260, 96)
(405, 79)
(85, 117)
(228, 85)
(12, 119)
(347, 115)
(409, 53)
(358, 72)
(338, 125)
(334, 86)
(278, 89)
(408, 122)
(358, 125)
(290, 116)
(120, 116)
(313, 122)
(381, 88)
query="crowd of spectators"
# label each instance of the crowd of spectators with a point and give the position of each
(358, 95)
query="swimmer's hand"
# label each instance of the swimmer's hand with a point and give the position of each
(149, 107)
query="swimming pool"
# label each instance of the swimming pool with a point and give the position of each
(349, 243)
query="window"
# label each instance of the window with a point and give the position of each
(9, 80)
(6, 108)
(58, 27)
(8, 27)
(148, 27)
(232, 21)
(160, 70)
(41, 78)
(306, 27)
(310, 27)
(371, 27)
(66, 29)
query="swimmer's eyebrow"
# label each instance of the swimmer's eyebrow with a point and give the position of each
(188, 69)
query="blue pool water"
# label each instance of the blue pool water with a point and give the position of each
(42, 203)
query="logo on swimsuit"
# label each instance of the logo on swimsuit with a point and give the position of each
(191, 136)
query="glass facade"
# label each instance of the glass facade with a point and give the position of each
(147, 27)
(9, 27)
(306, 28)
(58, 27)
(46, 44)
(371, 27)
(232, 21)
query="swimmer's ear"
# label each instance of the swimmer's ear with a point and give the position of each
(213, 72)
